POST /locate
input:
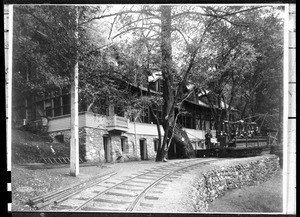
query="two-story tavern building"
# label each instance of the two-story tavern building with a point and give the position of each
(111, 135)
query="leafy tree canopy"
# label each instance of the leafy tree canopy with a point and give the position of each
(234, 51)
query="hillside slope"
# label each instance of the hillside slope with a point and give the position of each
(28, 147)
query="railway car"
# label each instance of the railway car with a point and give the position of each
(237, 139)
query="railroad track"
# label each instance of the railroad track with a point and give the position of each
(123, 194)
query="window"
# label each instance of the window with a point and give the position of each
(48, 108)
(187, 121)
(57, 107)
(124, 145)
(155, 142)
(66, 104)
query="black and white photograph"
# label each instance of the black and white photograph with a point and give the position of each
(151, 108)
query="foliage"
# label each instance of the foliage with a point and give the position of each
(44, 51)
(48, 41)
(244, 55)
(215, 48)
(234, 52)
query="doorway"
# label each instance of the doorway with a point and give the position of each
(176, 151)
(143, 149)
(106, 146)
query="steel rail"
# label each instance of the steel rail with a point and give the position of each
(67, 193)
(139, 197)
(56, 202)
(44, 197)
(176, 164)
(120, 183)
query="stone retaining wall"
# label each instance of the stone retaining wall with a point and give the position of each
(216, 181)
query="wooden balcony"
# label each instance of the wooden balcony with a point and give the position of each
(117, 123)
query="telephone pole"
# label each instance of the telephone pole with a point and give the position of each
(74, 142)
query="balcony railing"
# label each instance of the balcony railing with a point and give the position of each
(117, 123)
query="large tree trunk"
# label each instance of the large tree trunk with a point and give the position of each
(183, 144)
(168, 83)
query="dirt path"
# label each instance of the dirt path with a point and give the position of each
(175, 197)
(31, 183)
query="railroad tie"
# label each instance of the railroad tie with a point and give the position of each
(83, 198)
(121, 194)
(161, 184)
(146, 204)
(129, 189)
(168, 180)
(108, 182)
(88, 208)
(133, 185)
(151, 198)
(148, 178)
(157, 192)
(110, 201)
(140, 182)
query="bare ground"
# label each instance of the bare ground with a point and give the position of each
(263, 198)
(29, 183)
(176, 197)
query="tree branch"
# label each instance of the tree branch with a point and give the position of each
(112, 25)
(119, 13)
(215, 15)
(134, 28)
(176, 29)
(135, 21)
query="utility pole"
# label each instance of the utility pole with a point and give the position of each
(74, 142)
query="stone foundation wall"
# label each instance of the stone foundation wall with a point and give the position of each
(92, 147)
(90, 142)
(94, 144)
(134, 145)
(216, 181)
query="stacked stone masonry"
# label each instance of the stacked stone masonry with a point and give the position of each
(91, 145)
(216, 181)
